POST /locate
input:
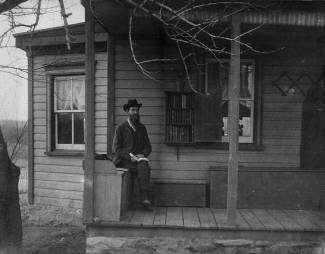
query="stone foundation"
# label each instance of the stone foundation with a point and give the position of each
(101, 245)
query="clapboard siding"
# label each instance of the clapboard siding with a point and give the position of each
(54, 185)
(281, 114)
(58, 180)
(66, 202)
(62, 169)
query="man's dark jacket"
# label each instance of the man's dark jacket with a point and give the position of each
(124, 142)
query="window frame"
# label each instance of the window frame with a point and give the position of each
(242, 139)
(56, 112)
(257, 110)
(51, 74)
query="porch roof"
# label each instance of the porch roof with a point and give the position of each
(114, 15)
(56, 36)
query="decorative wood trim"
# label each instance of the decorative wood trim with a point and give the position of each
(76, 48)
(69, 153)
(49, 120)
(233, 113)
(258, 111)
(75, 65)
(88, 199)
(110, 91)
(30, 130)
(295, 170)
(225, 146)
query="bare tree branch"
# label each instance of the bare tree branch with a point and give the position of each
(66, 25)
(10, 4)
(183, 25)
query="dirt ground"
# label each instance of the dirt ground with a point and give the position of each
(51, 230)
(53, 239)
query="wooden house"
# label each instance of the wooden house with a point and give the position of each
(76, 99)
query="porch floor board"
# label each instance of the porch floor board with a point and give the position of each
(248, 219)
(206, 222)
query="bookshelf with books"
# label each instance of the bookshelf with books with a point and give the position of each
(179, 117)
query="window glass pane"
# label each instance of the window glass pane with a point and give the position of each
(78, 93)
(217, 81)
(246, 81)
(64, 125)
(224, 79)
(213, 86)
(245, 118)
(225, 118)
(63, 94)
(79, 128)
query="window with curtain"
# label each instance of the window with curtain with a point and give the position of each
(69, 112)
(212, 113)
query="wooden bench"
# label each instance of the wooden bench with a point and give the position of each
(180, 193)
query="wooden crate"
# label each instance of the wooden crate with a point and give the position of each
(111, 191)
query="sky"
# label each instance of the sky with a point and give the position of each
(13, 89)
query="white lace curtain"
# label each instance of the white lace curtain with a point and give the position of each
(70, 93)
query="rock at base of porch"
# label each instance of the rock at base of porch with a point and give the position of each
(118, 245)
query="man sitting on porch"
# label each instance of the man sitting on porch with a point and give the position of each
(131, 147)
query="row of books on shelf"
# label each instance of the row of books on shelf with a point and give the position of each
(179, 134)
(179, 100)
(181, 116)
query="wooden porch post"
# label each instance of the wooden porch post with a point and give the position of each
(30, 128)
(88, 202)
(233, 118)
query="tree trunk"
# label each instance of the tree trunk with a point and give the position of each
(10, 216)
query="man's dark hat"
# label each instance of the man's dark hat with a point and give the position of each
(131, 103)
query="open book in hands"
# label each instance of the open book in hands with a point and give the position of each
(136, 158)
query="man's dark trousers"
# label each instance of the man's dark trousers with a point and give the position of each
(142, 171)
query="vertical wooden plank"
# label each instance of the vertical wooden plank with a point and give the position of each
(160, 216)
(258, 97)
(233, 117)
(88, 202)
(174, 216)
(251, 219)
(191, 218)
(284, 220)
(314, 219)
(110, 91)
(268, 221)
(30, 129)
(319, 214)
(241, 222)
(220, 217)
(299, 218)
(206, 218)
(143, 218)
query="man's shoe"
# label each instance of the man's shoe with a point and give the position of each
(146, 205)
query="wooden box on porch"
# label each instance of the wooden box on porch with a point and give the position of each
(111, 191)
